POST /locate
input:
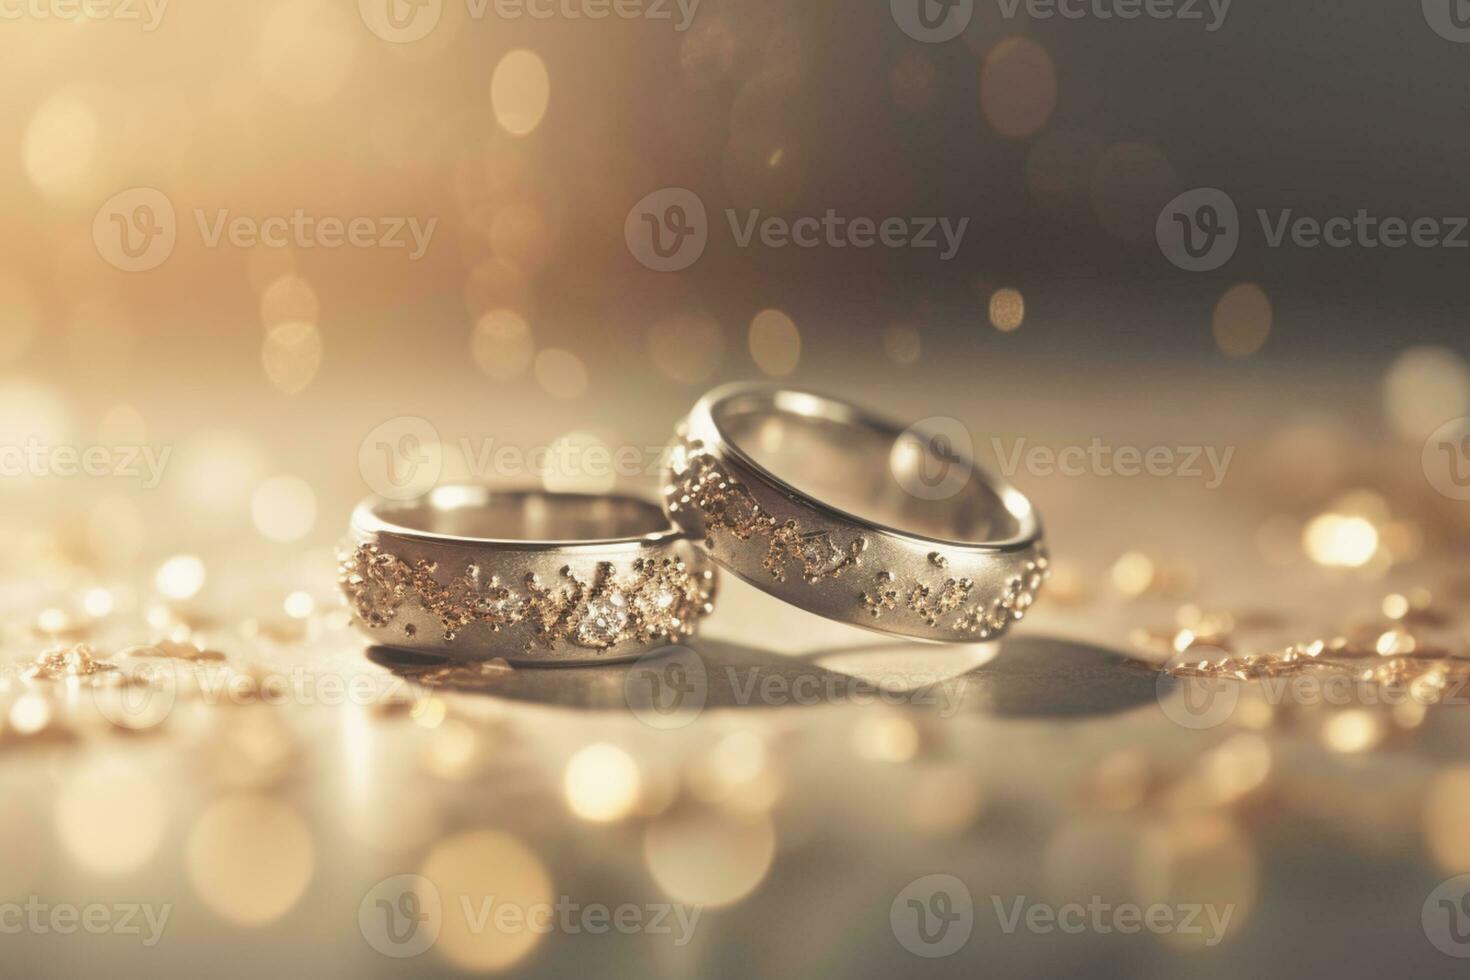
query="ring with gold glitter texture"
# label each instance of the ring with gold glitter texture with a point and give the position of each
(855, 518)
(527, 576)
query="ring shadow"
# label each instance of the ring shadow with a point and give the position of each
(1028, 677)
(1048, 677)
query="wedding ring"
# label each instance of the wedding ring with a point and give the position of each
(853, 517)
(528, 576)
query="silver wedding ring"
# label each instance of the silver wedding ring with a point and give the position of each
(854, 517)
(528, 576)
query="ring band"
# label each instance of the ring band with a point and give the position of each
(836, 511)
(529, 576)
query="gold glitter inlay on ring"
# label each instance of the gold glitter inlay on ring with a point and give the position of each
(727, 505)
(933, 603)
(661, 600)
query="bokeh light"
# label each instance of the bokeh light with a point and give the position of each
(601, 783)
(249, 859)
(520, 92)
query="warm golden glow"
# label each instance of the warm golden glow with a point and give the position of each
(181, 577)
(1242, 320)
(292, 355)
(886, 738)
(284, 508)
(475, 865)
(289, 299)
(709, 857)
(1199, 859)
(249, 859)
(20, 318)
(687, 348)
(520, 92)
(1447, 820)
(1018, 87)
(307, 48)
(561, 374)
(60, 145)
(1133, 574)
(111, 818)
(601, 783)
(21, 869)
(502, 344)
(1353, 731)
(1425, 387)
(775, 343)
(1341, 541)
(1007, 310)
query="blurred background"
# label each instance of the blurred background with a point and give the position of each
(263, 260)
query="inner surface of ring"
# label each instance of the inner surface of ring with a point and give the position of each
(470, 512)
(917, 484)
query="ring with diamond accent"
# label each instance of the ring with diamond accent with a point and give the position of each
(853, 517)
(528, 576)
